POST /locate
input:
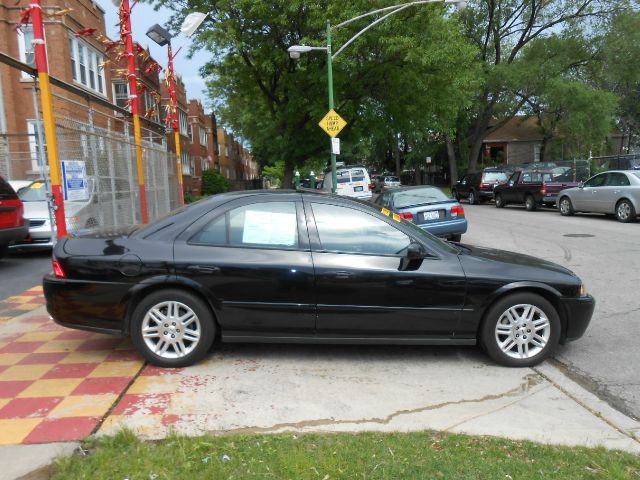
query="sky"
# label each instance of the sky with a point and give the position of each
(144, 16)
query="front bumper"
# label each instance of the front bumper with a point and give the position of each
(446, 228)
(578, 312)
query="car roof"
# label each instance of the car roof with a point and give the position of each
(412, 187)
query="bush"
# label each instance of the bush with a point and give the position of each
(213, 182)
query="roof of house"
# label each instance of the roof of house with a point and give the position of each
(518, 129)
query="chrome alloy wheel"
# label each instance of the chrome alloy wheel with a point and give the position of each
(171, 329)
(624, 211)
(522, 331)
(565, 206)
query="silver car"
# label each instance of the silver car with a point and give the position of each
(616, 192)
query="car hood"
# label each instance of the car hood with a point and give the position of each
(36, 210)
(479, 262)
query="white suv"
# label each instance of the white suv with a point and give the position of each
(352, 182)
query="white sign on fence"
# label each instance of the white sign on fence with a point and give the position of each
(74, 180)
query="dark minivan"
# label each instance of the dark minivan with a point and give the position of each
(478, 187)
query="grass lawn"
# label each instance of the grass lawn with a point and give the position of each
(422, 455)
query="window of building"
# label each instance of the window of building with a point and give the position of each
(203, 135)
(121, 94)
(185, 163)
(26, 47)
(190, 133)
(204, 165)
(34, 143)
(86, 64)
(182, 120)
(536, 152)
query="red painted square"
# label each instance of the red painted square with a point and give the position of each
(29, 407)
(38, 300)
(37, 319)
(99, 344)
(21, 347)
(152, 371)
(170, 419)
(43, 358)
(147, 403)
(100, 385)
(11, 388)
(71, 370)
(32, 293)
(73, 335)
(123, 356)
(62, 429)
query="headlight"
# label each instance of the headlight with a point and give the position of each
(583, 291)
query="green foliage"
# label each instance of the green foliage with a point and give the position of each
(418, 455)
(214, 182)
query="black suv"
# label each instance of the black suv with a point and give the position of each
(478, 187)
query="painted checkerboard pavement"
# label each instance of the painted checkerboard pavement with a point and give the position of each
(19, 304)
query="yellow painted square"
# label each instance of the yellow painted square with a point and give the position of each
(26, 307)
(37, 288)
(156, 384)
(51, 388)
(93, 356)
(13, 431)
(38, 336)
(5, 319)
(117, 369)
(4, 401)
(24, 372)
(146, 425)
(60, 346)
(11, 358)
(19, 299)
(113, 424)
(84, 406)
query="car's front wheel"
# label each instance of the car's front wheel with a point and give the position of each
(172, 328)
(520, 330)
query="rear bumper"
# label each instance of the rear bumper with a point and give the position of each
(578, 312)
(485, 194)
(444, 229)
(551, 198)
(9, 235)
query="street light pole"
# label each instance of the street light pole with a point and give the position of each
(334, 173)
(175, 122)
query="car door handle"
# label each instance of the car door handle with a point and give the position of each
(203, 269)
(341, 274)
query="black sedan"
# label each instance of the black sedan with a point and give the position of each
(308, 267)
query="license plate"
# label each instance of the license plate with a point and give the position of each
(435, 215)
(357, 189)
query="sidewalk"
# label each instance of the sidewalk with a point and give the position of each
(60, 385)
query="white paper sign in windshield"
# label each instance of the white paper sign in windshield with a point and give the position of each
(269, 228)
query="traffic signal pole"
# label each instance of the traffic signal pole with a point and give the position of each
(48, 118)
(125, 32)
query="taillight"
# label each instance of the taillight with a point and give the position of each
(406, 216)
(543, 190)
(371, 186)
(457, 211)
(486, 186)
(57, 270)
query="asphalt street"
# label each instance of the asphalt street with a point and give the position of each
(606, 255)
(20, 271)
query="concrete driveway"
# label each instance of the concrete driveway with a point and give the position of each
(606, 255)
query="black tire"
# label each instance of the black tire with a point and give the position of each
(499, 202)
(473, 199)
(456, 238)
(566, 207)
(204, 318)
(625, 212)
(489, 338)
(530, 203)
(4, 249)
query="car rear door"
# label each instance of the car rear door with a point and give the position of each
(611, 192)
(361, 287)
(252, 258)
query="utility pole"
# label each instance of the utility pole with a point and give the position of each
(175, 123)
(334, 175)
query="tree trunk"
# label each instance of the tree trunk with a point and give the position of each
(453, 165)
(476, 148)
(287, 180)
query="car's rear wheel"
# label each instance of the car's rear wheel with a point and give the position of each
(472, 198)
(520, 330)
(625, 212)
(499, 201)
(566, 207)
(172, 328)
(530, 203)
(456, 238)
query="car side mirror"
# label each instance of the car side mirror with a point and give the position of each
(581, 185)
(511, 183)
(415, 251)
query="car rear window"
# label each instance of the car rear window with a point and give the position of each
(418, 196)
(494, 176)
(343, 176)
(6, 192)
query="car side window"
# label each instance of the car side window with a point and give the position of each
(269, 224)
(514, 177)
(346, 230)
(597, 181)
(386, 199)
(618, 180)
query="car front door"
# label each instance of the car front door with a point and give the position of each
(588, 197)
(509, 192)
(363, 286)
(252, 258)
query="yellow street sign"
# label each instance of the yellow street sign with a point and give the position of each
(332, 123)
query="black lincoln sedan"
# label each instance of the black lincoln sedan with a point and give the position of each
(305, 267)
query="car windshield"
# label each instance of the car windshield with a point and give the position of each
(391, 179)
(35, 192)
(494, 177)
(418, 196)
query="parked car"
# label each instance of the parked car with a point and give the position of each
(386, 182)
(12, 224)
(532, 188)
(615, 193)
(478, 187)
(353, 181)
(429, 208)
(306, 267)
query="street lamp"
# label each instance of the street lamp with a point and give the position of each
(296, 50)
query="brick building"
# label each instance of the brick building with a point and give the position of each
(77, 60)
(211, 125)
(227, 154)
(199, 153)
